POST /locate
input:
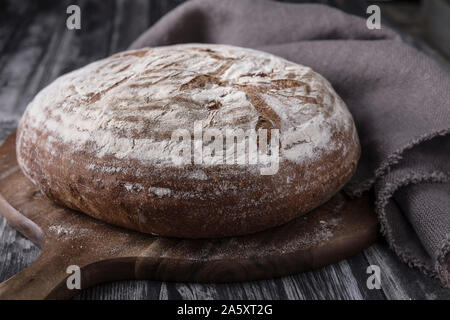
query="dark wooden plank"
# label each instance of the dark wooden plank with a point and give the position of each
(14, 17)
(71, 49)
(124, 32)
(64, 51)
(123, 290)
(16, 252)
(398, 281)
(18, 65)
(92, 42)
(332, 282)
(14, 20)
(255, 290)
(358, 266)
(266, 289)
(40, 76)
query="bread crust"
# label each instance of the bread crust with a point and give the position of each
(96, 140)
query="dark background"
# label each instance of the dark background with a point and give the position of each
(36, 48)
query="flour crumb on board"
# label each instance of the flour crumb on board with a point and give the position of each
(61, 230)
(323, 230)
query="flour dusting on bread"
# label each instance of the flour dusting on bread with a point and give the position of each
(127, 105)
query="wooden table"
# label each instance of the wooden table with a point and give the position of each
(36, 48)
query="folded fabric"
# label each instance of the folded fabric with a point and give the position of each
(399, 98)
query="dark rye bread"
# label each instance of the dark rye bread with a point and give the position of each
(98, 140)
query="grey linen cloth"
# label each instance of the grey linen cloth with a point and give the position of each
(399, 98)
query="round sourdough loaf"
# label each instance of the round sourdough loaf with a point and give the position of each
(99, 140)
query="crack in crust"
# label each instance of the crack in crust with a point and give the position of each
(268, 119)
(97, 96)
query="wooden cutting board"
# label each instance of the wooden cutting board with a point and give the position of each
(336, 230)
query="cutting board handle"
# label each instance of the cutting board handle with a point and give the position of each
(25, 226)
(38, 281)
(42, 278)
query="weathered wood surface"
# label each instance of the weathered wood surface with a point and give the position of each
(35, 48)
